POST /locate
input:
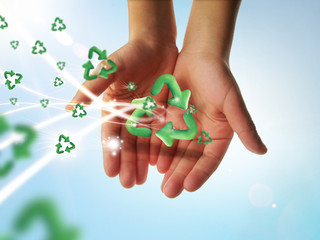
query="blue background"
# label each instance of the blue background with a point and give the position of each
(275, 59)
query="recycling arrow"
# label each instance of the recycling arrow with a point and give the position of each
(87, 67)
(45, 210)
(167, 133)
(142, 108)
(104, 73)
(22, 150)
(102, 55)
(180, 98)
(66, 140)
(4, 125)
(6, 168)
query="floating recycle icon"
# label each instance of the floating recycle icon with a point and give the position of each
(64, 145)
(145, 106)
(3, 23)
(13, 101)
(88, 66)
(22, 139)
(14, 44)
(58, 25)
(44, 102)
(79, 111)
(57, 82)
(38, 48)
(132, 86)
(204, 138)
(61, 65)
(12, 79)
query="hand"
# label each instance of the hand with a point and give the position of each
(141, 62)
(221, 112)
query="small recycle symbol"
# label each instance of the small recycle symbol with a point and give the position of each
(192, 109)
(12, 79)
(14, 44)
(145, 106)
(44, 102)
(88, 66)
(58, 25)
(61, 65)
(64, 145)
(38, 48)
(13, 101)
(78, 111)
(57, 82)
(3, 23)
(23, 137)
(204, 138)
(132, 86)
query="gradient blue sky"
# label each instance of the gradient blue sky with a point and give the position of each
(275, 59)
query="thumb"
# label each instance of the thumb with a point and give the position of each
(91, 89)
(240, 120)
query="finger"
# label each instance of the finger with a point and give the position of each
(94, 88)
(206, 165)
(143, 146)
(181, 148)
(128, 164)
(174, 185)
(111, 157)
(241, 122)
(166, 155)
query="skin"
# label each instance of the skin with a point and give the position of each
(203, 67)
(150, 52)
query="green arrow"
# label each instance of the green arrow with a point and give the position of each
(6, 168)
(167, 133)
(102, 54)
(4, 125)
(59, 145)
(105, 72)
(87, 67)
(180, 98)
(135, 117)
(13, 101)
(22, 150)
(45, 210)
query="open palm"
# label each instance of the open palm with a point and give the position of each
(221, 112)
(140, 62)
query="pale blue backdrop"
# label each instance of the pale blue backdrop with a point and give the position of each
(275, 59)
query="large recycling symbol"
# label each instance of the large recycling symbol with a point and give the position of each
(88, 66)
(145, 106)
(25, 137)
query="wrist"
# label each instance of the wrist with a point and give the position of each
(152, 20)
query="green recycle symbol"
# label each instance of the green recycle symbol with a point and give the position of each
(79, 111)
(21, 150)
(12, 79)
(88, 66)
(13, 101)
(132, 86)
(167, 133)
(204, 138)
(58, 25)
(59, 146)
(45, 210)
(57, 82)
(14, 44)
(3, 23)
(38, 48)
(61, 65)
(44, 102)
